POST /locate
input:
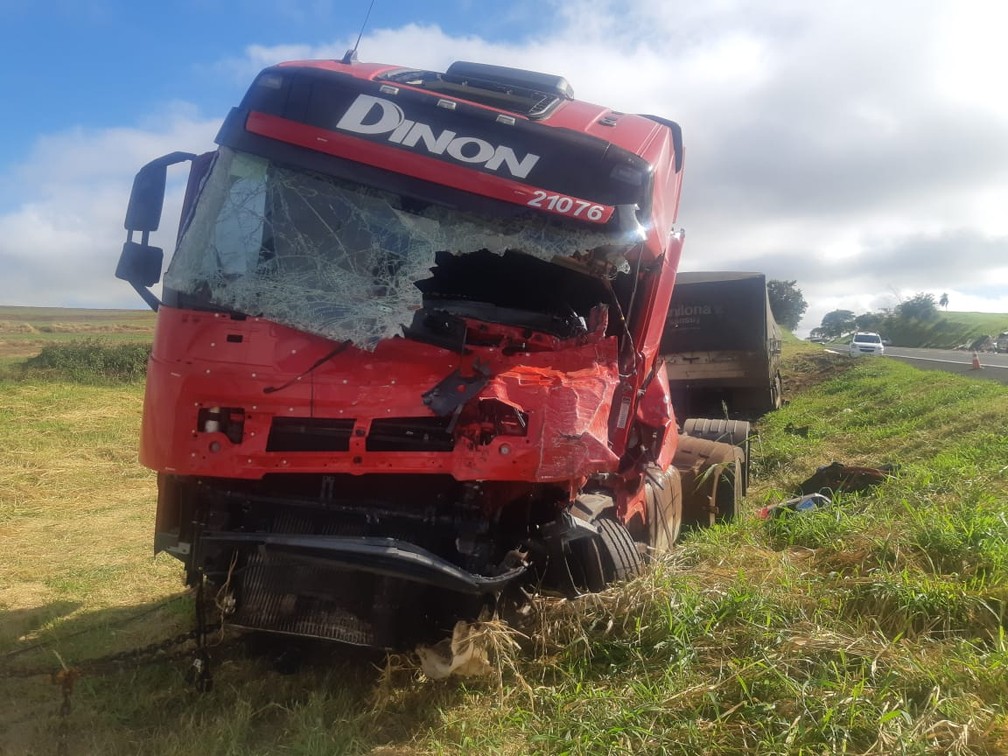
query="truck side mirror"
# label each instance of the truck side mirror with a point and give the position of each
(147, 198)
(140, 264)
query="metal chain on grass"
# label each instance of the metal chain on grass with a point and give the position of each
(132, 618)
(113, 661)
(199, 674)
(65, 678)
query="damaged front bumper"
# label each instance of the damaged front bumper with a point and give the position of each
(365, 591)
(388, 557)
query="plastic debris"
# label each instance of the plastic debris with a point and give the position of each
(805, 503)
(462, 655)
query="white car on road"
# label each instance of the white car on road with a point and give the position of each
(866, 343)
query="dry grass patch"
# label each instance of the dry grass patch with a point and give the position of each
(874, 626)
(74, 499)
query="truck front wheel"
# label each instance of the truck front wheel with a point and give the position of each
(620, 557)
(610, 555)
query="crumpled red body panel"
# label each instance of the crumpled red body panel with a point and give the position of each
(205, 360)
(574, 407)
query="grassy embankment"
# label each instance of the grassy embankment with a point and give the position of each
(877, 625)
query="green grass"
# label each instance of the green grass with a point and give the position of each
(876, 625)
(90, 360)
(56, 319)
(947, 331)
(25, 331)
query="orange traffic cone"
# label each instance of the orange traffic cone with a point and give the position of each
(976, 361)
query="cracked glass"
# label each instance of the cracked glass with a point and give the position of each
(339, 259)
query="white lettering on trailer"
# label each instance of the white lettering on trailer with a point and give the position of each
(374, 115)
(682, 311)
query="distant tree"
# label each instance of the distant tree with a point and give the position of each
(869, 321)
(943, 301)
(919, 307)
(837, 323)
(786, 302)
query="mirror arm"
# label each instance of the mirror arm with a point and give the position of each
(146, 295)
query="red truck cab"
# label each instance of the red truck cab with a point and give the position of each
(406, 354)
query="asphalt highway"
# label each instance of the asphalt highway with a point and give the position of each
(993, 366)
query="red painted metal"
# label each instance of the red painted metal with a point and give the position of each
(203, 360)
(417, 166)
(539, 420)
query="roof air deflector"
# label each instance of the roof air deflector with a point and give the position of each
(477, 73)
(526, 93)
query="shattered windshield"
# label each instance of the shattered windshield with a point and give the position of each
(335, 258)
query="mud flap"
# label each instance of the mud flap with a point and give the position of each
(574, 564)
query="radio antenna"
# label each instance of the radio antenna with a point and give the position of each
(351, 54)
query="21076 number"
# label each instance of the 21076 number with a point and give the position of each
(564, 205)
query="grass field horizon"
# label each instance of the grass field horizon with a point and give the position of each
(877, 625)
(24, 331)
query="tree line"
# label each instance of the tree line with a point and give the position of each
(840, 323)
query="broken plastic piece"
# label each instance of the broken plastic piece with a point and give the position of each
(460, 655)
(799, 504)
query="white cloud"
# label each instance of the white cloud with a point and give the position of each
(59, 246)
(856, 147)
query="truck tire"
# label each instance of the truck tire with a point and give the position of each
(728, 492)
(620, 558)
(611, 555)
(735, 432)
(776, 393)
(663, 501)
(711, 474)
(585, 564)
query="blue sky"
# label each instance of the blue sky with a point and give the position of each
(857, 147)
(103, 63)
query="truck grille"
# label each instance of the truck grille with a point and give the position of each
(409, 434)
(309, 434)
(328, 602)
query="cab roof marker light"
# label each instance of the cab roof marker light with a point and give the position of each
(447, 104)
(270, 81)
(505, 119)
(388, 89)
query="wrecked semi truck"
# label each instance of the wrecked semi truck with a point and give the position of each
(406, 356)
(722, 345)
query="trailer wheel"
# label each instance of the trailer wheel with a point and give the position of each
(735, 432)
(776, 393)
(728, 492)
(620, 557)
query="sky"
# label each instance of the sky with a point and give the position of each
(859, 148)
